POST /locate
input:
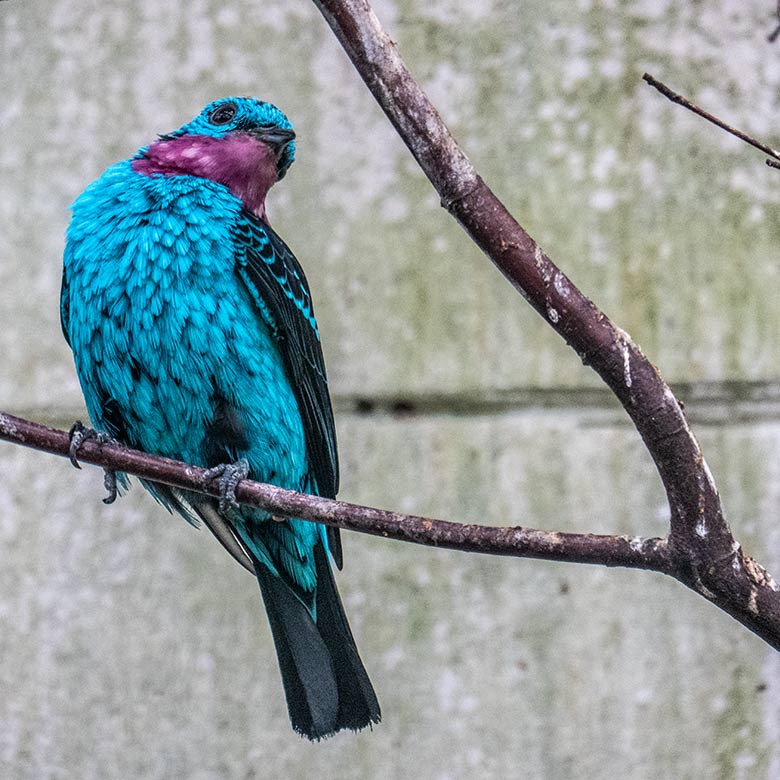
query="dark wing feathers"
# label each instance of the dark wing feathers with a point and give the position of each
(65, 308)
(278, 286)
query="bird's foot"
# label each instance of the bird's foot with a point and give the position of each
(228, 475)
(78, 434)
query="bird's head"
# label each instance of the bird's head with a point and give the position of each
(262, 122)
(243, 143)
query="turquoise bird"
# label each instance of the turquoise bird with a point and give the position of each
(194, 337)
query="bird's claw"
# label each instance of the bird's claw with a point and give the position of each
(78, 434)
(109, 483)
(228, 475)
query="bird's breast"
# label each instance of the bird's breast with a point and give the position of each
(162, 324)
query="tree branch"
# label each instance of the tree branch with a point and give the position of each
(709, 559)
(675, 97)
(631, 552)
(700, 550)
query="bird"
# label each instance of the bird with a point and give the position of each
(194, 337)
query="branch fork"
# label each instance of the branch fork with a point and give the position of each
(740, 589)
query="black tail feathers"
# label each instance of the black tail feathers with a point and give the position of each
(326, 685)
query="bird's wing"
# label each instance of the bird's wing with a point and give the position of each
(278, 287)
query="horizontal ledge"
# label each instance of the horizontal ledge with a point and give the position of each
(708, 403)
(705, 402)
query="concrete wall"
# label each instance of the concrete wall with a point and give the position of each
(130, 646)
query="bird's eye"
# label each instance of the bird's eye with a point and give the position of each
(223, 114)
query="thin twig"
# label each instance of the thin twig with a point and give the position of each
(691, 106)
(772, 37)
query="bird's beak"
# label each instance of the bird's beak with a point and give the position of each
(276, 137)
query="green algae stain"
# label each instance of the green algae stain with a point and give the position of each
(740, 751)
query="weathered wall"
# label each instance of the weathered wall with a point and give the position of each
(129, 644)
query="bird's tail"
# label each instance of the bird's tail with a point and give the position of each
(326, 685)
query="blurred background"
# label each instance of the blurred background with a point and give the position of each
(131, 646)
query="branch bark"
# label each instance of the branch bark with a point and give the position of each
(632, 552)
(707, 556)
